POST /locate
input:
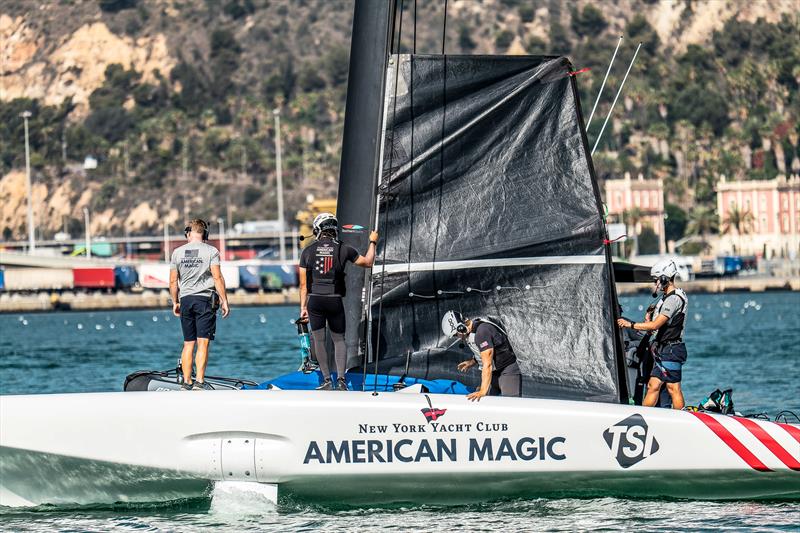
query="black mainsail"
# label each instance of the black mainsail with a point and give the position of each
(488, 204)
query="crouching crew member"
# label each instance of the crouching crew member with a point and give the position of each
(668, 348)
(322, 286)
(195, 284)
(491, 350)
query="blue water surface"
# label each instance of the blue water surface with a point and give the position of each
(750, 342)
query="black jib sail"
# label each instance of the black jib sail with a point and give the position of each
(488, 205)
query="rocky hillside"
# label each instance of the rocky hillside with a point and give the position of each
(175, 99)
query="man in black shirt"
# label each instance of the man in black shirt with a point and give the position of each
(491, 350)
(322, 287)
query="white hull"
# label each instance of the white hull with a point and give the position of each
(359, 447)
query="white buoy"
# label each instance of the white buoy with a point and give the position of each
(98, 327)
(80, 326)
(24, 322)
(129, 323)
(112, 326)
(155, 319)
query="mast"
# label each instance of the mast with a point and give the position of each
(370, 47)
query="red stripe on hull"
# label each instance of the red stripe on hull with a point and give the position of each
(791, 430)
(767, 440)
(732, 442)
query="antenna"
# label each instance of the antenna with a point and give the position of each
(600, 136)
(597, 100)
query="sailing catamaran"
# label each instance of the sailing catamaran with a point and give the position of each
(484, 193)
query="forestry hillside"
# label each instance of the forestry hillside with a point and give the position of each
(175, 98)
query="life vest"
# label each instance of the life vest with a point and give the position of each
(672, 331)
(503, 354)
(325, 274)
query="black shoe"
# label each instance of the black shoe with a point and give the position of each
(186, 386)
(200, 385)
(326, 385)
(341, 384)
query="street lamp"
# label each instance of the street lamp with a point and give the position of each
(223, 252)
(88, 233)
(31, 238)
(277, 113)
(166, 243)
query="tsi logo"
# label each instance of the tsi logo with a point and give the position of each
(631, 440)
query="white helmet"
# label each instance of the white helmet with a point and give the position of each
(325, 222)
(453, 324)
(666, 268)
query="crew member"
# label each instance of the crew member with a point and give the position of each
(491, 350)
(197, 287)
(668, 348)
(322, 287)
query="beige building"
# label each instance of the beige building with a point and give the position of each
(773, 226)
(645, 195)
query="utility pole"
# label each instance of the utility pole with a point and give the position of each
(244, 161)
(222, 250)
(166, 243)
(31, 231)
(88, 232)
(64, 146)
(277, 113)
(126, 160)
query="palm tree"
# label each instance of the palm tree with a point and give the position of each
(702, 221)
(631, 218)
(739, 222)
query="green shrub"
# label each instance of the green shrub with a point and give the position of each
(503, 39)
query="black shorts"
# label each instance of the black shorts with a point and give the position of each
(326, 309)
(507, 382)
(668, 363)
(197, 318)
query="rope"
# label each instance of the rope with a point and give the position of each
(444, 27)
(386, 211)
(411, 180)
(441, 155)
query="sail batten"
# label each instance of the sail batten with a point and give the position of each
(489, 263)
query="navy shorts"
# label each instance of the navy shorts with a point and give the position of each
(668, 363)
(197, 318)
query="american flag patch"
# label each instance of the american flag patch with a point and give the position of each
(324, 264)
(485, 344)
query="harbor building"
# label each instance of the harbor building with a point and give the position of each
(760, 217)
(640, 196)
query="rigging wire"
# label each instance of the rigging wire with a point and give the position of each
(411, 174)
(391, 160)
(385, 221)
(441, 153)
(600, 135)
(600, 92)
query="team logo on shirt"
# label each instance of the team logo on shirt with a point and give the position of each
(324, 264)
(352, 228)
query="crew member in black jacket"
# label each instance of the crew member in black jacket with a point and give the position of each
(491, 350)
(322, 287)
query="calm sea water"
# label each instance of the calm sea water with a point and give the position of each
(750, 342)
